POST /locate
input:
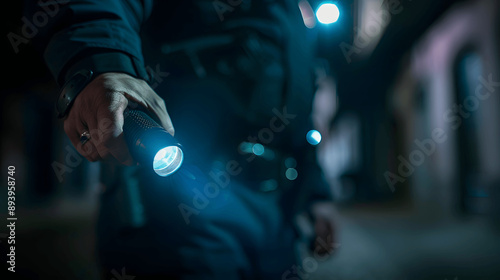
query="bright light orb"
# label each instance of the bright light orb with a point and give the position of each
(313, 137)
(167, 160)
(328, 13)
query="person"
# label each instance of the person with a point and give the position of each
(238, 85)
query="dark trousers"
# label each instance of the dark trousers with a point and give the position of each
(195, 224)
(188, 227)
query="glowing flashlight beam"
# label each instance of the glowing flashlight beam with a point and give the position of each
(167, 160)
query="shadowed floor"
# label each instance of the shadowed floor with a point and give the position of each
(374, 244)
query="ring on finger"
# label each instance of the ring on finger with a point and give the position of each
(84, 137)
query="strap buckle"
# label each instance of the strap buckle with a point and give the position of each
(71, 90)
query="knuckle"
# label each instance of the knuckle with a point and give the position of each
(106, 144)
(117, 101)
(102, 136)
(85, 150)
(159, 102)
(106, 125)
(94, 156)
(104, 153)
(107, 140)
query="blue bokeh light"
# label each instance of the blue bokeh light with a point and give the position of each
(258, 149)
(291, 174)
(313, 137)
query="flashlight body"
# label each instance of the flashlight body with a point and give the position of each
(144, 136)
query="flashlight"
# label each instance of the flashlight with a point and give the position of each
(150, 144)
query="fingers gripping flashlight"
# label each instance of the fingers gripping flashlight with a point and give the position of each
(150, 144)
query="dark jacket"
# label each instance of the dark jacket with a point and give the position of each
(98, 34)
(104, 35)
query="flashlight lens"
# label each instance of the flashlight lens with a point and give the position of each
(167, 160)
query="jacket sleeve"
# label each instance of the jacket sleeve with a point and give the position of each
(100, 35)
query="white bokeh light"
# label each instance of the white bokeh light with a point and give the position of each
(328, 13)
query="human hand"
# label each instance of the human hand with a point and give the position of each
(98, 110)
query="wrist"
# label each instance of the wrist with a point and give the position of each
(81, 73)
(71, 89)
